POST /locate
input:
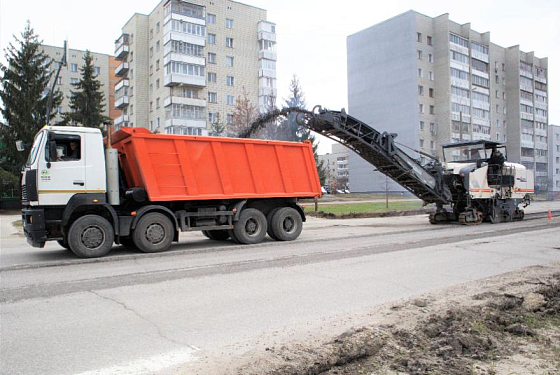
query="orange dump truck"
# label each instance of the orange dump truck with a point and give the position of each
(146, 188)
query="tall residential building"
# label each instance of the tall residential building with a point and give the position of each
(434, 81)
(336, 164)
(554, 160)
(103, 66)
(184, 65)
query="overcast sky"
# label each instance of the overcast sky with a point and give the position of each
(311, 33)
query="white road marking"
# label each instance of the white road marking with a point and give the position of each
(150, 365)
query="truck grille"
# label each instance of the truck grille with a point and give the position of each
(24, 193)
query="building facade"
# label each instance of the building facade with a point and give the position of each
(336, 165)
(183, 66)
(433, 81)
(103, 66)
(554, 160)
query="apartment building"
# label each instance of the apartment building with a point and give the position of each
(336, 164)
(183, 66)
(554, 160)
(104, 66)
(434, 81)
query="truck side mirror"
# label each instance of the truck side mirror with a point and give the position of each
(50, 153)
(19, 146)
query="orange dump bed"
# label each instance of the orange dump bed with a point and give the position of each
(177, 167)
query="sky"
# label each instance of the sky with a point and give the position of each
(311, 34)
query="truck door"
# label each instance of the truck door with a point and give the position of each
(62, 169)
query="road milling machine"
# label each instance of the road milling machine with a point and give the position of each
(473, 183)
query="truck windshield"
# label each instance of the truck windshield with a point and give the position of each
(35, 149)
(465, 153)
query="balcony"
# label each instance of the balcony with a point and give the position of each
(121, 84)
(122, 69)
(264, 35)
(267, 54)
(122, 47)
(183, 11)
(122, 120)
(122, 102)
(182, 100)
(174, 79)
(186, 122)
(267, 73)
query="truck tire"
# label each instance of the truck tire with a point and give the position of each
(286, 224)
(153, 233)
(91, 236)
(269, 223)
(250, 228)
(216, 235)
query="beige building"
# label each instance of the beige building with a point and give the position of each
(71, 74)
(184, 64)
(438, 81)
(336, 165)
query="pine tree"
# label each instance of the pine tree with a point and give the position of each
(24, 82)
(217, 128)
(289, 130)
(86, 102)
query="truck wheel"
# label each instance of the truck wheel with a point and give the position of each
(153, 233)
(91, 236)
(286, 224)
(64, 244)
(251, 227)
(269, 223)
(216, 235)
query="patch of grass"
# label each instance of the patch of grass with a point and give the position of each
(367, 207)
(17, 224)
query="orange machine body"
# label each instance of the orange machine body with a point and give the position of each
(181, 168)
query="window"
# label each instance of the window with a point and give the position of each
(97, 70)
(59, 81)
(432, 110)
(421, 143)
(230, 100)
(420, 90)
(74, 67)
(459, 57)
(67, 148)
(429, 40)
(229, 119)
(157, 84)
(459, 91)
(211, 58)
(229, 80)
(497, 136)
(212, 77)
(211, 18)
(151, 106)
(151, 51)
(157, 65)
(431, 91)
(151, 87)
(480, 81)
(419, 53)
(187, 48)
(432, 128)
(459, 74)
(430, 57)
(212, 117)
(497, 94)
(421, 125)
(74, 81)
(229, 23)
(479, 48)
(185, 68)
(431, 75)
(479, 65)
(421, 108)
(481, 113)
(456, 107)
(158, 46)
(151, 69)
(229, 42)
(229, 61)
(151, 126)
(458, 40)
(419, 37)
(157, 102)
(420, 73)
(497, 108)
(432, 145)
(188, 28)
(211, 38)
(158, 27)
(504, 110)
(212, 97)
(151, 34)
(481, 97)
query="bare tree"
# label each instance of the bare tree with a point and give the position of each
(244, 114)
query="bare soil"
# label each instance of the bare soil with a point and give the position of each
(509, 324)
(362, 215)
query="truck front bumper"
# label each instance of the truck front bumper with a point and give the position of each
(33, 220)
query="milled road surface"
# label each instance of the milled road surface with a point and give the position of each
(133, 313)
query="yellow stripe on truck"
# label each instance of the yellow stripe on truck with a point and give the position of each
(69, 191)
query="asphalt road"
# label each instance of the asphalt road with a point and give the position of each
(133, 313)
